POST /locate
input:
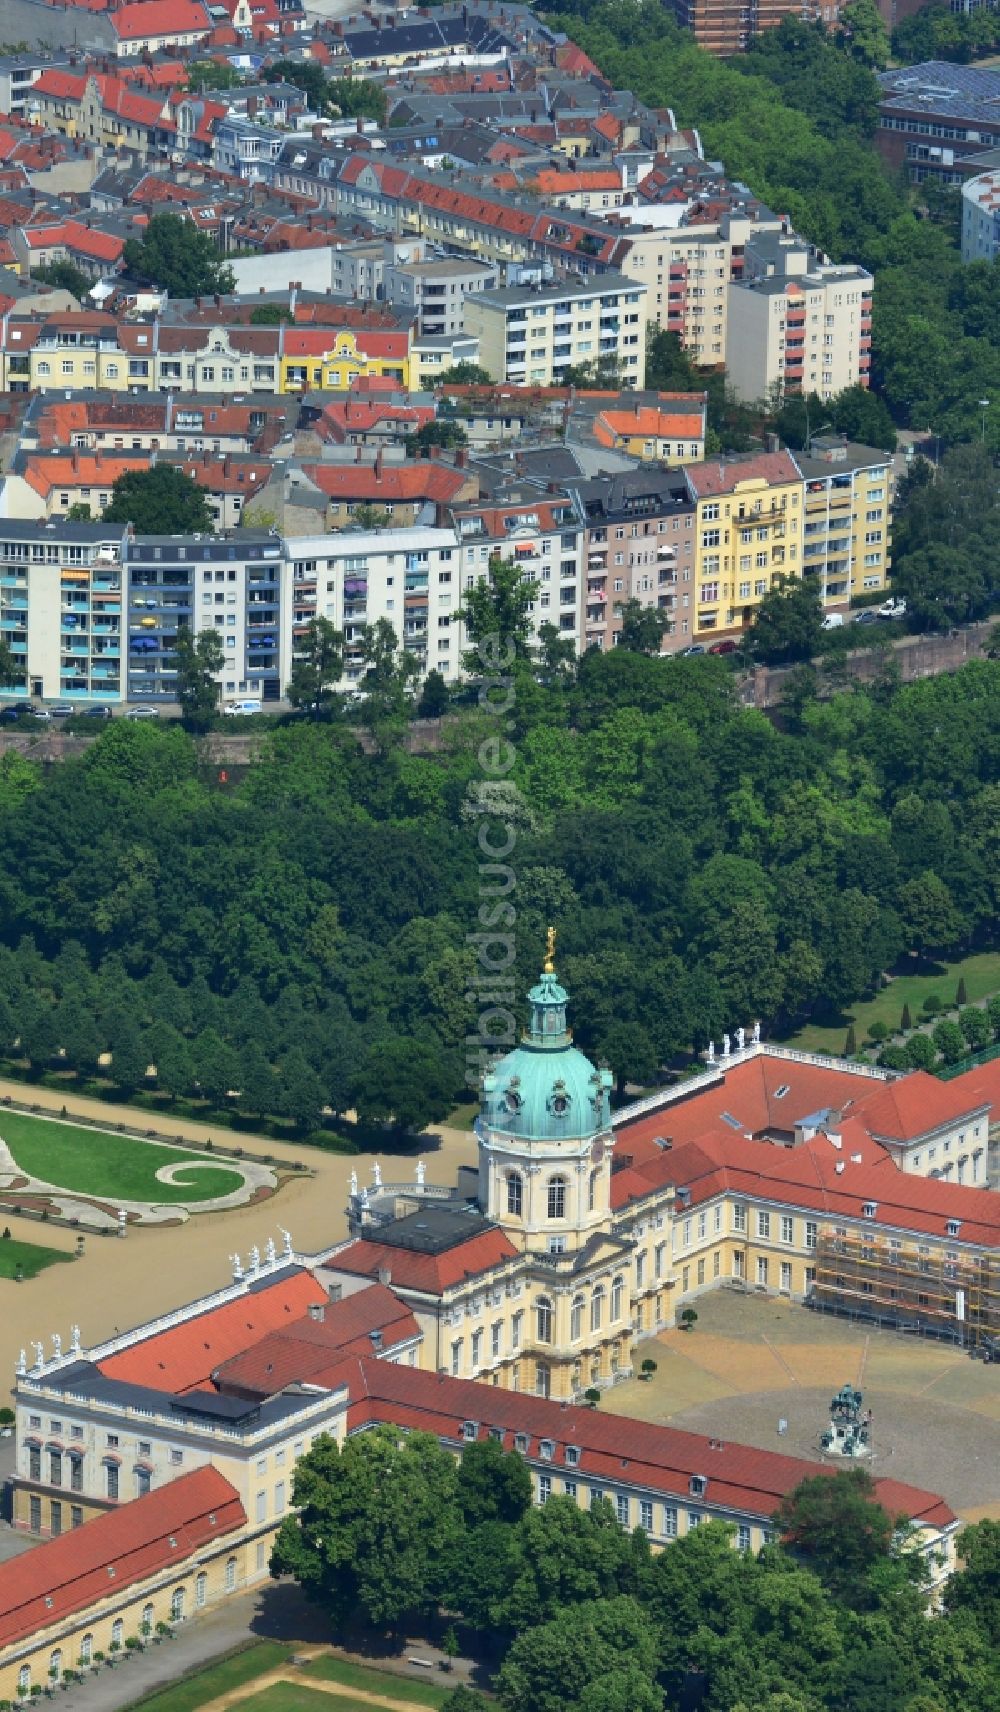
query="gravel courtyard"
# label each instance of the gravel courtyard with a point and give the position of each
(751, 1361)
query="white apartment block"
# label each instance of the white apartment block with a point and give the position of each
(530, 335)
(798, 324)
(981, 217)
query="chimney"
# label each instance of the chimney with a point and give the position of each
(376, 1337)
(317, 1311)
(384, 1275)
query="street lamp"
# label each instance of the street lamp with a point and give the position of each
(984, 405)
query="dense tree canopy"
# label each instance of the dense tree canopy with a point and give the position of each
(161, 500)
(178, 258)
(572, 1613)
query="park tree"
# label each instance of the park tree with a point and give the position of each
(950, 1041)
(497, 618)
(129, 1056)
(199, 660)
(928, 913)
(443, 431)
(305, 74)
(552, 1665)
(464, 374)
(404, 1083)
(376, 1527)
(317, 668)
(862, 31)
(494, 1485)
(974, 1591)
(835, 1524)
(160, 500)
(174, 255)
(975, 1025)
(391, 674)
(565, 1556)
(920, 1051)
(434, 696)
(643, 627)
(64, 276)
(788, 624)
(301, 1092)
(358, 98)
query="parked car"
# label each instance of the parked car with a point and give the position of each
(693, 648)
(142, 712)
(13, 711)
(833, 620)
(102, 711)
(40, 713)
(238, 709)
(894, 607)
(869, 616)
(726, 647)
(62, 710)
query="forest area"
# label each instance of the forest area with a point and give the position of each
(303, 933)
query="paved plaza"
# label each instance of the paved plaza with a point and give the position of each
(752, 1361)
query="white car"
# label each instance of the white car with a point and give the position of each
(142, 713)
(239, 709)
(894, 607)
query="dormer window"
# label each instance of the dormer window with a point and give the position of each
(953, 1227)
(469, 1429)
(546, 1449)
(697, 1485)
(572, 1456)
(521, 1443)
(869, 1209)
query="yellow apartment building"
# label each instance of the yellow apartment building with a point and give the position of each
(748, 533)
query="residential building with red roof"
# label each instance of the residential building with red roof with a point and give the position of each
(670, 430)
(149, 26)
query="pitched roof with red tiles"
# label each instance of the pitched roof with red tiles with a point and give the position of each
(715, 476)
(312, 1349)
(183, 1357)
(611, 1448)
(362, 416)
(393, 483)
(430, 1274)
(154, 20)
(73, 235)
(648, 421)
(126, 1547)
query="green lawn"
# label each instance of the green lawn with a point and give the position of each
(116, 1167)
(464, 1116)
(29, 1256)
(196, 1691)
(980, 972)
(376, 1681)
(295, 1697)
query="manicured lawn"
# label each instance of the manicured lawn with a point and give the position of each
(980, 972)
(116, 1167)
(196, 1691)
(376, 1681)
(295, 1697)
(463, 1117)
(28, 1256)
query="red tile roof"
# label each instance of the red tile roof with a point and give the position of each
(150, 20)
(393, 483)
(311, 1350)
(183, 1357)
(121, 1549)
(715, 476)
(429, 1273)
(613, 1449)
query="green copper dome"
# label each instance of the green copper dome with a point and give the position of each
(546, 1089)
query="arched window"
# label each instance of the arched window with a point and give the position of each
(118, 1630)
(576, 1319)
(55, 1663)
(230, 1574)
(597, 1308)
(557, 1197)
(543, 1319)
(146, 1626)
(617, 1292)
(177, 1599)
(86, 1649)
(515, 1193)
(592, 1191)
(200, 1588)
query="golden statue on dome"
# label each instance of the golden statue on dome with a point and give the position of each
(549, 966)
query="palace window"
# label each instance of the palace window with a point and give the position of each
(543, 1319)
(515, 1193)
(597, 1308)
(557, 1198)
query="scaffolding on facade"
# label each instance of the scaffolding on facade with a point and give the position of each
(908, 1285)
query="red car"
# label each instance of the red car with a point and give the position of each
(726, 647)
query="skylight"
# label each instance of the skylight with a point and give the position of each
(734, 1123)
(779, 1093)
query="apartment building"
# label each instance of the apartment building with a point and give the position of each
(532, 334)
(435, 291)
(639, 545)
(727, 27)
(61, 608)
(238, 585)
(748, 532)
(541, 531)
(687, 268)
(409, 576)
(936, 117)
(981, 217)
(797, 323)
(666, 427)
(847, 519)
